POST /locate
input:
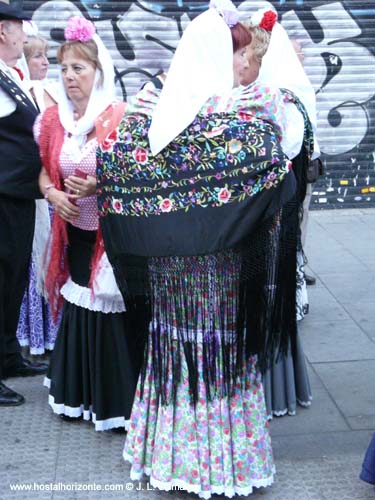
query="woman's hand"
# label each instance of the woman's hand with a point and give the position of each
(80, 188)
(62, 205)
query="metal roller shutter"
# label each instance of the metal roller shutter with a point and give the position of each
(338, 41)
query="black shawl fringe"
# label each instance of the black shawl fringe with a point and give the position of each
(235, 303)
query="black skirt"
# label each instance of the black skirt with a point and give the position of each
(96, 361)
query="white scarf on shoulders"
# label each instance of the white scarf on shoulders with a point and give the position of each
(102, 95)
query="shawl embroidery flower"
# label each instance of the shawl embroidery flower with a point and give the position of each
(166, 205)
(117, 206)
(223, 195)
(140, 155)
(212, 171)
(107, 143)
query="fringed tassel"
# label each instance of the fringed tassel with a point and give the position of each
(268, 296)
(234, 303)
(97, 255)
(58, 270)
(194, 302)
(131, 275)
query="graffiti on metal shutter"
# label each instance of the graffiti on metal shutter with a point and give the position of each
(338, 45)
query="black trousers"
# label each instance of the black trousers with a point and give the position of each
(17, 221)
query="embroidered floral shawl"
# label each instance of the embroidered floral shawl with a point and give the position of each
(222, 186)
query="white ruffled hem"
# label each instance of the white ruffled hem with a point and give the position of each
(178, 484)
(35, 351)
(79, 411)
(291, 413)
(305, 403)
(83, 297)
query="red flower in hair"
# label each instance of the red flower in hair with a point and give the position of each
(268, 21)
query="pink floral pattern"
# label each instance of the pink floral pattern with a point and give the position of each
(222, 446)
(207, 173)
(218, 159)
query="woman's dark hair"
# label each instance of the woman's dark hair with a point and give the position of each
(240, 37)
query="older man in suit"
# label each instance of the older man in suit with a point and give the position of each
(19, 171)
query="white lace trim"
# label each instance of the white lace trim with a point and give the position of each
(291, 413)
(305, 403)
(83, 297)
(280, 413)
(75, 412)
(182, 485)
(35, 351)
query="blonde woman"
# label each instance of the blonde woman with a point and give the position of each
(36, 55)
(274, 61)
(36, 328)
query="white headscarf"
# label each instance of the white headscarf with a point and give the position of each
(201, 67)
(102, 95)
(282, 68)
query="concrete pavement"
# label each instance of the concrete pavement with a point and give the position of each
(318, 452)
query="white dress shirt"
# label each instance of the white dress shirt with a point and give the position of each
(7, 104)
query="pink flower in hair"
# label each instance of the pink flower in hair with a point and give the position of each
(79, 29)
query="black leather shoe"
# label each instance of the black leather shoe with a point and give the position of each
(310, 280)
(25, 369)
(119, 430)
(9, 397)
(66, 418)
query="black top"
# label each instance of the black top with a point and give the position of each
(19, 154)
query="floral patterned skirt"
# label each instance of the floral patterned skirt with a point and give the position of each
(220, 446)
(36, 327)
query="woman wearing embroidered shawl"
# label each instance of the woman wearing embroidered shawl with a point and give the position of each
(198, 215)
(286, 382)
(93, 370)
